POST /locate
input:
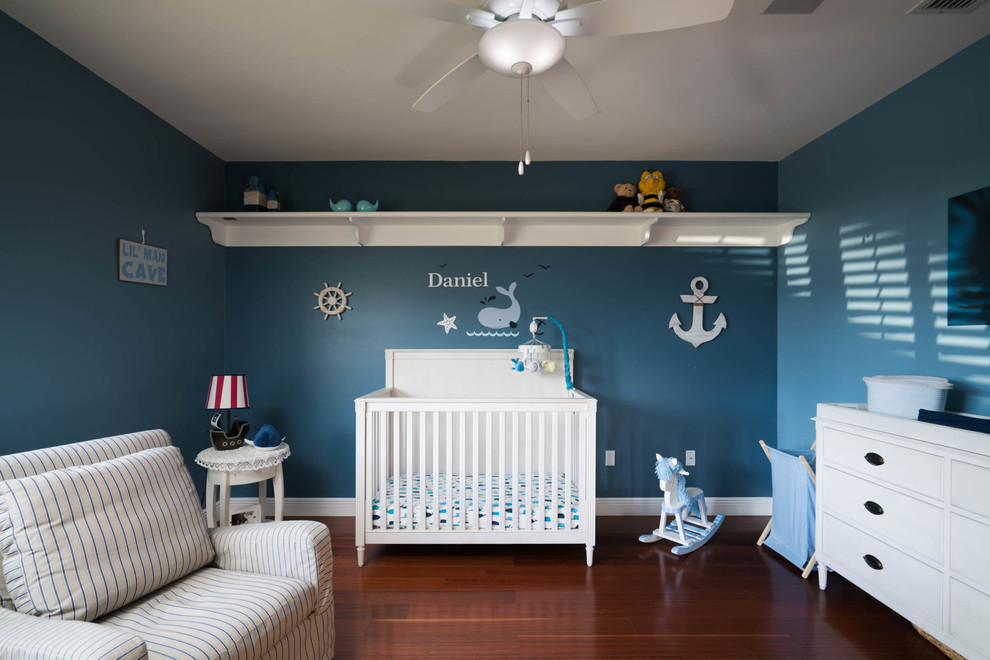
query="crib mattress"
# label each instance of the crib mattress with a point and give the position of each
(513, 503)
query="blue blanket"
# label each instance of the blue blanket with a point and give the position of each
(792, 532)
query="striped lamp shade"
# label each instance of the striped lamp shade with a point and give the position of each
(228, 391)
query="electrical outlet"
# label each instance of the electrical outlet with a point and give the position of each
(689, 457)
(609, 458)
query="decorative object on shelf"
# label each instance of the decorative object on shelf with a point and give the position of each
(255, 198)
(448, 323)
(497, 318)
(626, 199)
(341, 206)
(696, 335)
(228, 392)
(651, 185)
(274, 203)
(141, 263)
(690, 528)
(364, 205)
(267, 438)
(672, 200)
(332, 301)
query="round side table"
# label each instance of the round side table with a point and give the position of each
(244, 465)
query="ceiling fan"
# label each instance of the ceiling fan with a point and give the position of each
(525, 38)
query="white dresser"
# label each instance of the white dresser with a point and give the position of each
(903, 512)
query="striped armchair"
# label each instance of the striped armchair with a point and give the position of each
(105, 553)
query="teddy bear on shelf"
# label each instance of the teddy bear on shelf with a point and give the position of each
(625, 199)
(651, 185)
(672, 200)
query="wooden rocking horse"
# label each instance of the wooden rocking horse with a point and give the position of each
(690, 528)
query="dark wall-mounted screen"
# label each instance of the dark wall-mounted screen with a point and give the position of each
(969, 258)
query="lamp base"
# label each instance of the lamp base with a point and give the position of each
(223, 442)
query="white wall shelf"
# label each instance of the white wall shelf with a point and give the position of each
(523, 228)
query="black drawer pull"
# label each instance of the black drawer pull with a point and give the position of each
(873, 507)
(874, 459)
(873, 562)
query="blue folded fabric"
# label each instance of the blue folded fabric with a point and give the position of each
(955, 420)
(792, 532)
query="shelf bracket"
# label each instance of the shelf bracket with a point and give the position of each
(356, 224)
(501, 231)
(646, 229)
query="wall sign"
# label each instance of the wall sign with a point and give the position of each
(141, 263)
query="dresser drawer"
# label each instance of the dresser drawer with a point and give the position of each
(969, 614)
(969, 543)
(971, 488)
(905, 520)
(907, 468)
(908, 582)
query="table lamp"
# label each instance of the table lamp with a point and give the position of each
(227, 392)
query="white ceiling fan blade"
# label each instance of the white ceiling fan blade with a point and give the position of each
(441, 10)
(453, 82)
(564, 84)
(607, 17)
(526, 9)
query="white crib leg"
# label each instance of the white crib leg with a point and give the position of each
(360, 554)
(589, 550)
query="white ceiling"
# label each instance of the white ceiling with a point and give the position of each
(335, 79)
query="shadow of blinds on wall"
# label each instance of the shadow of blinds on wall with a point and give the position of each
(877, 290)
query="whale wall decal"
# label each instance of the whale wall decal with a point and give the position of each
(507, 317)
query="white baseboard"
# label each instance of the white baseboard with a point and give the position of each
(606, 506)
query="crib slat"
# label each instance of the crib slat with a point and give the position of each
(514, 484)
(568, 472)
(501, 471)
(421, 441)
(449, 447)
(582, 469)
(528, 489)
(436, 470)
(462, 446)
(410, 465)
(381, 461)
(489, 485)
(555, 505)
(543, 472)
(475, 476)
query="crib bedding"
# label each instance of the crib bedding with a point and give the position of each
(521, 497)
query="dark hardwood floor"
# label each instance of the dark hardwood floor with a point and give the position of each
(729, 599)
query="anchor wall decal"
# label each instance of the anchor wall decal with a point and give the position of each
(696, 334)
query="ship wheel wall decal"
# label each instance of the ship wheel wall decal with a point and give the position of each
(332, 301)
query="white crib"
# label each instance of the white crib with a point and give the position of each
(459, 448)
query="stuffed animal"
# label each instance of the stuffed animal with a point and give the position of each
(672, 200)
(625, 198)
(651, 185)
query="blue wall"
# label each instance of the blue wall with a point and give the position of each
(496, 186)
(656, 392)
(81, 354)
(862, 286)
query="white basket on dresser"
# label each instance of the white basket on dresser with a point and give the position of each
(903, 512)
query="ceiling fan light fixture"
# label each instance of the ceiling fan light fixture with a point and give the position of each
(525, 40)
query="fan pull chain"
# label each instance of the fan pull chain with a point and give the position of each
(522, 168)
(527, 159)
(524, 157)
